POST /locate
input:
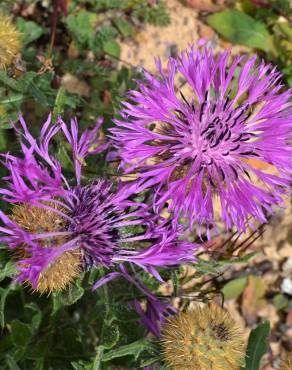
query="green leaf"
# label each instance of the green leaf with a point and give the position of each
(82, 27)
(240, 28)
(13, 98)
(30, 30)
(257, 346)
(125, 28)
(111, 335)
(112, 48)
(12, 363)
(38, 95)
(8, 270)
(10, 82)
(280, 302)
(67, 298)
(37, 317)
(3, 295)
(81, 365)
(20, 333)
(64, 158)
(98, 358)
(286, 29)
(60, 103)
(133, 349)
(234, 288)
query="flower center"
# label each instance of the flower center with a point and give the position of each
(38, 220)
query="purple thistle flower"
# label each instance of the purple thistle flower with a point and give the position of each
(194, 149)
(57, 229)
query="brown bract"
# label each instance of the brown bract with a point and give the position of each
(9, 41)
(38, 220)
(202, 339)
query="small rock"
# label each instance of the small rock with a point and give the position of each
(286, 286)
(287, 267)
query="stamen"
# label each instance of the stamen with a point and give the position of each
(184, 99)
(235, 148)
(234, 171)
(250, 153)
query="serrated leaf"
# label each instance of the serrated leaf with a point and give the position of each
(240, 28)
(234, 288)
(20, 333)
(112, 48)
(8, 270)
(111, 335)
(257, 346)
(67, 298)
(10, 82)
(82, 26)
(30, 30)
(125, 28)
(133, 349)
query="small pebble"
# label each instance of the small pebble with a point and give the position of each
(286, 286)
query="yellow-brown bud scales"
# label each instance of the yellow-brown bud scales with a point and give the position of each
(9, 41)
(38, 220)
(203, 339)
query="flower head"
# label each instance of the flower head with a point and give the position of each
(57, 228)
(204, 338)
(9, 41)
(194, 150)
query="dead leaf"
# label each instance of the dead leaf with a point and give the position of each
(75, 86)
(253, 299)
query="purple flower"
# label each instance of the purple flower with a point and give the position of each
(195, 148)
(58, 228)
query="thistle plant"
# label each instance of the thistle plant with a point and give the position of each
(9, 41)
(57, 229)
(192, 150)
(203, 338)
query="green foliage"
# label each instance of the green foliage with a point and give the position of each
(82, 28)
(234, 288)
(267, 29)
(257, 346)
(30, 31)
(280, 302)
(240, 28)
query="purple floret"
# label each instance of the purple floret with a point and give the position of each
(193, 149)
(100, 220)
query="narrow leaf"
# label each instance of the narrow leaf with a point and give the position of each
(257, 346)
